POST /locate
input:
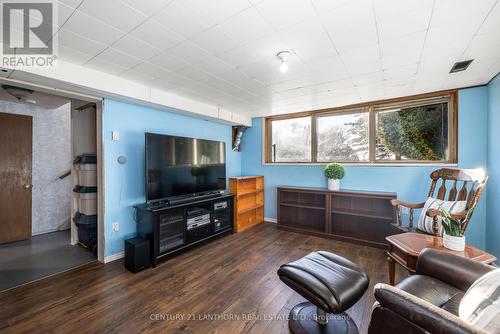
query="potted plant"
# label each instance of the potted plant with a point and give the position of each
(334, 172)
(452, 237)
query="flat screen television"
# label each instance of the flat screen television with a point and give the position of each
(177, 166)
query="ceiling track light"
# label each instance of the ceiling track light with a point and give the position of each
(283, 55)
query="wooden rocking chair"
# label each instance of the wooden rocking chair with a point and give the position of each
(473, 182)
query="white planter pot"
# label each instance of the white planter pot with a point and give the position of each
(454, 243)
(333, 184)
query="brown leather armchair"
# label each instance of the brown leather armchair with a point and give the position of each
(428, 301)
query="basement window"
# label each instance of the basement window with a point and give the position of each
(420, 129)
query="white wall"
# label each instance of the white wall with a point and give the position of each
(51, 158)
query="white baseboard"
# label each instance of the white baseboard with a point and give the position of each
(271, 220)
(114, 257)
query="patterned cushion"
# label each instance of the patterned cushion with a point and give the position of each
(481, 303)
(425, 222)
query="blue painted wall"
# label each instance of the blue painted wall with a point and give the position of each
(493, 188)
(410, 183)
(125, 183)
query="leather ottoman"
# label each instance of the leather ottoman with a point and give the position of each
(331, 284)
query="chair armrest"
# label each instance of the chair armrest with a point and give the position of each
(434, 213)
(420, 312)
(450, 268)
(397, 202)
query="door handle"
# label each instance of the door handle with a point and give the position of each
(28, 186)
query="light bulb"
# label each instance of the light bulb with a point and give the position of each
(284, 67)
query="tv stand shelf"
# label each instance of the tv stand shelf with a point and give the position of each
(356, 216)
(166, 226)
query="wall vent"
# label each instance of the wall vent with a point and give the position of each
(460, 66)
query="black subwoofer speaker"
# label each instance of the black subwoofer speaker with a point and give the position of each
(137, 254)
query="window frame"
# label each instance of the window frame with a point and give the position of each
(450, 96)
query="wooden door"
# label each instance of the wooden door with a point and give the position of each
(15, 177)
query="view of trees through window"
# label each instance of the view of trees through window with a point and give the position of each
(417, 131)
(291, 140)
(343, 137)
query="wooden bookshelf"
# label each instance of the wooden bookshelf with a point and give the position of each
(363, 217)
(249, 201)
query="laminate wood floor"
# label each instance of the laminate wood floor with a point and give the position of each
(228, 285)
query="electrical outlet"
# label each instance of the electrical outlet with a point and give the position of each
(115, 135)
(115, 227)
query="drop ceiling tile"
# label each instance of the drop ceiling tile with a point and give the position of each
(155, 34)
(402, 51)
(323, 6)
(284, 13)
(448, 12)
(239, 57)
(246, 26)
(215, 41)
(268, 46)
(79, 43)
(151, 70)
(309, 41)
(189, 52)
(109, 67)
(114, 13)
(73, 56)
(368, 79)
(147, 7)
(92, 28)
(181, 19)
(385, 9)
(111, 55)
(368, 53)
(135, 47)
(214, 66)
(349, 15)
(492, 22)
(172, 80)
(400, 71)
(355, 38)
(364, 68)
(196, 74)
(136, 76)
(168, 62)
(217, 11)
(405, 24)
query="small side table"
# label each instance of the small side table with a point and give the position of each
(404, 249)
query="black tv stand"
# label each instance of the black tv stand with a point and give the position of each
(166, 224)
(190, 198)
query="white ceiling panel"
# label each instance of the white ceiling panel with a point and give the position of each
(404, 24)
(92, 28)
(284, 13)
(73, 56)
(341, 51)
(151, 70)
(117, 57)
(79, 43)
(217, 11)
(147, 7)
(215, 41)
(246, 26)
(154, 33)
(168, 61)
(189, 52)
(181, 19)
(113, 12)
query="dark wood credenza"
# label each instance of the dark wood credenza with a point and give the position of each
(364, 217)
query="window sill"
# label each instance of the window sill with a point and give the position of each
(363, 164)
